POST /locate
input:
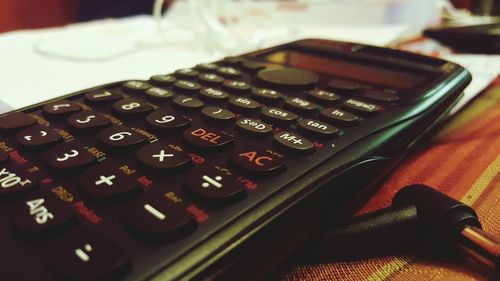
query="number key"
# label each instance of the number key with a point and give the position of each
(132, 108)
(166, 120)
(68, 157)
(61, 108)
(102, 97)
(88, 121)
(121, 137)
(37, 137)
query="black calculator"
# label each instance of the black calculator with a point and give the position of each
(218, 171)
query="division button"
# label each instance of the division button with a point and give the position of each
(210, 79)
(42, 214)
(344, 87)
(166, 120)
(214, 95)
(187, 103)
(37, 137)
(16, 179)
(228, 72)
(85, 255)
(300, 105)
(88, 121)
(102, 96)
(187, 73)
(162, 80)
(257, 160)
(267, 95)
(132, 108)
(292, 142)
(61, 108)
(337, 116)
(317, 128)
(288, 78)
(161, 158)
(68, 156)
(121, 137)
(382, 96)
(279, 116)
(187, 87)
(104, 182)
(208, 139)
(135, 87)
(236, 87)
(323, 97)
(213, 186)
(254, 127)
(217, 114)
(362, 107)
(243, 104)
(155, 217)
(158, 95)
(15, 121)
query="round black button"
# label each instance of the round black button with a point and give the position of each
(288, 78)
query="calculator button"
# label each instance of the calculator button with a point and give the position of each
(213, 186)
(15, 179)
(161, 158)
(61, 108)
(154, 216)
(317, 128)
(252, 66)
(243, 104)
(86, 255)
(254, 127)
(292, 142)
(343, 87)
(88, 121)
(38, 137)
(208, 139)
(337, 116)
(158, 95)
(279, 116)
(288, 78)
(15, 121)
(68, 156)
(162, 80)
(257, 160)
(210, 79)
(267, 95)
(186, 87)
(187, 73)
(323, 97)
(3, 156)
(232, 60)
(362, 107)
(121, 137)
(215, 95)
(236, 87)
(382, 96)
(166, 120)
(131, 108)
(217, 114)
(300, 105)
(42, 214)
(229, 72)
(135, 87)
(104, 182)
(102, 97)
(187, 103)
(207, 67)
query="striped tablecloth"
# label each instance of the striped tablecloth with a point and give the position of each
(463, 160)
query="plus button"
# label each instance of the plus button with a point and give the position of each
(106, 180)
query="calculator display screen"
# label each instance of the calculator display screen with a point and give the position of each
(346, 69)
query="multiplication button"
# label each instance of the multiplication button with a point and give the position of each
(214, 186)
(155, 217)
(86, 255)
(158, 157)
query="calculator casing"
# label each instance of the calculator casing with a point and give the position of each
(248, 239)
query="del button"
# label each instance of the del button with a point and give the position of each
(208, 139)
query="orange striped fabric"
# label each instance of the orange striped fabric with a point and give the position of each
(463, 160)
